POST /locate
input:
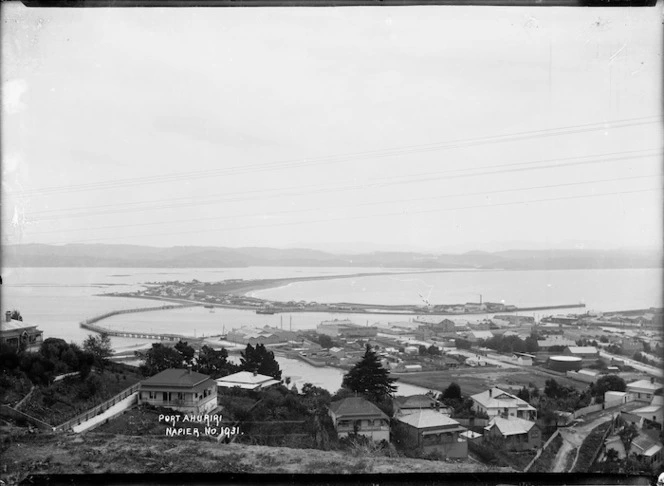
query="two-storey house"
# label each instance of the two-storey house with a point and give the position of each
(359, 416)
(434, 431)
(497, 403)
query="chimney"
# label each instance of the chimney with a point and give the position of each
(490, 392)
(255, 373)
(8, 316)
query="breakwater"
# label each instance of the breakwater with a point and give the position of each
(90, 324)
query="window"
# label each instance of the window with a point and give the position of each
(152, 395)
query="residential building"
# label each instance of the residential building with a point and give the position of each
(337, 352)
(653, 414)
(180, 389)
(415, 403)
(514, 434)
(647, 449)
(360, 416)
(643, 390)
(247, 381)
(498, 403)
(19, 334)
(436, 432)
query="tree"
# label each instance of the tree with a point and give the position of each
(608, 383)
(452, 392)
(325, 341)
(260, 360)
(214, 363)
(369, 377)
(100, 348)
(524, 394)
(16, 315)
(160, 358)
(627, 434)
(186, 351)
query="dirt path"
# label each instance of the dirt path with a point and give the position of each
(573, 437)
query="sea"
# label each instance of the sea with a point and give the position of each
(58, 299)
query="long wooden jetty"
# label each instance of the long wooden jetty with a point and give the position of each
(90, 325)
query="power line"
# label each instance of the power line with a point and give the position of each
(371, 203)
(296, 163)
(346, 218)
(422, 177)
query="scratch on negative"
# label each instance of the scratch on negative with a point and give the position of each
(615, 54)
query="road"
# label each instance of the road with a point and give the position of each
(573, 437)
(651, 370)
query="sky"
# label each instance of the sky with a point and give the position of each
(388, 128)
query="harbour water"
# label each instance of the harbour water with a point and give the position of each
(57, 299)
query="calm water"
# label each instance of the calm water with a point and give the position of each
(601, 290)
(57, 299)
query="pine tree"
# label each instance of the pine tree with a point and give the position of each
(260, 360)
(370, 378)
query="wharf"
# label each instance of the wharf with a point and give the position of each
(90, 324)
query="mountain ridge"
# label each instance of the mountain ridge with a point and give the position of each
(115, 255)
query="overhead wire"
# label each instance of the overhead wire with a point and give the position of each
(348, 218)
(296, 163)
(384, 182)
(370, 203)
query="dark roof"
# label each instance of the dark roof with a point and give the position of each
(355, 406)
(416, 401)
(176, 377)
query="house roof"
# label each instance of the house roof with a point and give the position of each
(355, 406)
(423, 419)
(511, 426)
(482, 334)
(470, 434)
(495, 398)
(246, 378)
(336, 349)
(645, 385)
(650, 409)
(646, 445)
(15, 325)
(582, 349)
(415, 401)
(176, 377)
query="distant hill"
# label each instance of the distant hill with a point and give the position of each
(102, 255)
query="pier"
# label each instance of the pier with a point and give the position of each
(90, 324)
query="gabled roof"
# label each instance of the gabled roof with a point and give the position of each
(423, 419)
(355, 406)
(645, 445)
(496, 398)
(176, 377)
(511, 426)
